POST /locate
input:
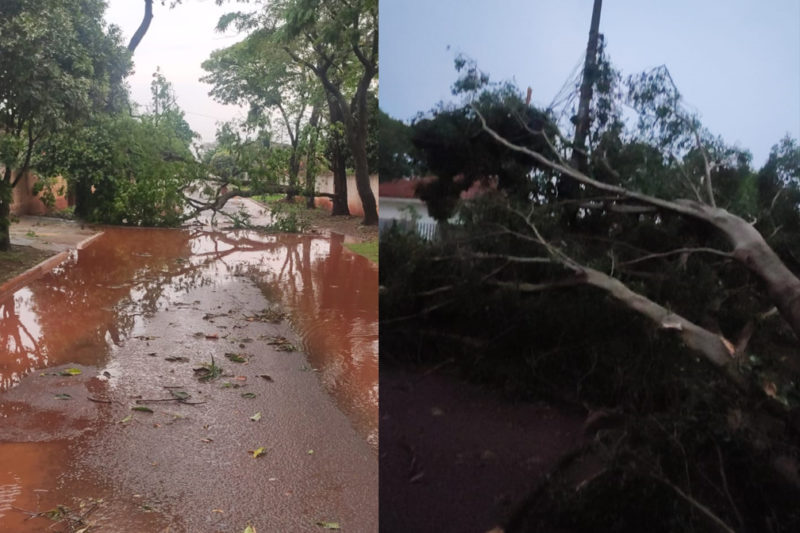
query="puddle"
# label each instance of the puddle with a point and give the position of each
(119, 308)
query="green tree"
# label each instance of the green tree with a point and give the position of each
(127, 170)
(396, 157)
(259, 73)
(338, 42)
(55, 65)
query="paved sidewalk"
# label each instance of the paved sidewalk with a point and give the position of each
(52, 234)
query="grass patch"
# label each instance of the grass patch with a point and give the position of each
(19, 259)
(368, 249)
(269, 198)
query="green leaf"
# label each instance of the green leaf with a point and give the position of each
(329, 525)
(142, 408)
(179, 394)
(249, 529)
(258, 452)
(236, 358)
(126, 419)
(63, 396)
(70, 372)
(248, 395)
(256, 417)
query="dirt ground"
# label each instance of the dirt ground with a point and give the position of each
(456, 457)
(19, 259)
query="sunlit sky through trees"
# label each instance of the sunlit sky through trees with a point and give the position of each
(737, 63)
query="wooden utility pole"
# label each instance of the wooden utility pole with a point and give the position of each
(578, 158)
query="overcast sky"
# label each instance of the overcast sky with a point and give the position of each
(178, 41)
(736, 62)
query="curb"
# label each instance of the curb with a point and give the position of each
(42, 268)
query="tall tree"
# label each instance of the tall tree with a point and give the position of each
(338, 42)
(55, 64)
(258, 72)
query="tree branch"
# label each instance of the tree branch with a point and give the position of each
(678, 251)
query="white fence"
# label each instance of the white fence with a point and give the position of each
(426, 230)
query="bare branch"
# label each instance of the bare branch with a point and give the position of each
(538, 287)
(699, 506)
(707, 166)
(678, 251)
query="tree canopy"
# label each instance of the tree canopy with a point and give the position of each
(56, 64)
(664, 286)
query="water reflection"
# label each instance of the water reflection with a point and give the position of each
(101, 295)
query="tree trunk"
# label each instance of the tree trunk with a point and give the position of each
(339, 168)
(311, 158)
(700, 340)
(356, 125)
(749, 246)
(338, 160)
(5, 211)
(294, 170)
(358, 146)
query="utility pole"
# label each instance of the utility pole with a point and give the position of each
(568, 188)
(578, 158)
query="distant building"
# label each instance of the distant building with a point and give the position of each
(400, 205)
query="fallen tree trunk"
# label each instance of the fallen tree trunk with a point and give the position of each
(749, 247)
(219, 201)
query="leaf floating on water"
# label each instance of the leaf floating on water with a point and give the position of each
(249, 395)
(258, 452)
(329, 525)
(266, 377)
(71, 372)
(236, 358)
(142, 408)
(63, 396)
(310, 452)
(256, 417)
(249, 529)
(126, 419)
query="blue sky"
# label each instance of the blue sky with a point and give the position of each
(736, 62)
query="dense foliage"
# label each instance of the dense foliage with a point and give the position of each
(57, 63)
(595, 299)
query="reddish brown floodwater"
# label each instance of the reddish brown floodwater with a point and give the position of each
(136, 311)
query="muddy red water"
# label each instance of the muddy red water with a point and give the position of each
(137, 312)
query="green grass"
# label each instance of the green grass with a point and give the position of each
(367, 249)
(269, 198)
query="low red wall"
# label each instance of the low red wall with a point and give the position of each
(24, 202)
(325, 184)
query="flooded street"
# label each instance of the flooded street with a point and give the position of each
(284, 437)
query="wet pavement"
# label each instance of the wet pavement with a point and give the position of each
(139, 312)
(48, 233)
